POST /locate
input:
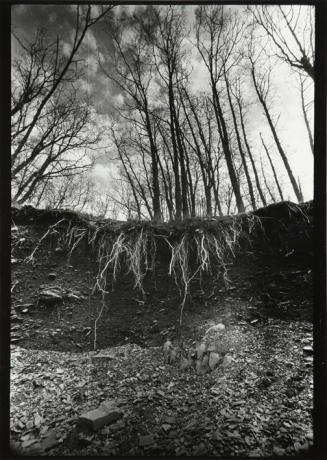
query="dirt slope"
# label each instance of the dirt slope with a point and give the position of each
(260, 405)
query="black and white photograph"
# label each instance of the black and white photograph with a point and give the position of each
(162, 185)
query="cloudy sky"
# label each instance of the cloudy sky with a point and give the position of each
(59, 20)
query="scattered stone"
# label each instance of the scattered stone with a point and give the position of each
(105, 414)
(166, 427)
(200, 449)
(227, 361)
(28, 443)
(51, 440)
(52, 276)
(170, 420)
(72, 296)
(146, 440)
(50, 297)
(308, 349)
(212, 347)
(297, 447)
(309, 435)
(200, 350)
(173, 355)
(29, 425)
(110, 404)
(37, 420)
(217, 328)
(254, 321)
(15, 340)
(304, 447)
(185, 363)
(215, 391)
(202, 366)
(24, 305)
(105, 355)
(214, 359)
(255, 453)
(118, 425)
(167, 346)
(15, 318)
(278, 451)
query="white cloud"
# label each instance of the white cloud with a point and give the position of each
(101, 174)
(91, 41)
(91, 65)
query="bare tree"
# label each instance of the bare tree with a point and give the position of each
(218, 34)
(66, 192)
(239, 143)
(49, 120)
(57, 147)
(169, 54)
(131, 68)
(291, 29)
(273, 169)
(236, 90)
(262, 87)
(266, 181)
(140, 192)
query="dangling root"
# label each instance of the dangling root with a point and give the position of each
(195, 247)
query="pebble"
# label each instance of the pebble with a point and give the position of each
(278, 451)
(146, 440)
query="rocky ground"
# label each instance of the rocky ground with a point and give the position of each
(257, 403)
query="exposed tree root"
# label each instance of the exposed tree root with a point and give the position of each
(194, 247)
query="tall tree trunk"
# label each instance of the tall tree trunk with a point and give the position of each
(281, 151)
(239, 143)
(273, 169)
(182, 159)
(266, 182)
(178, 198)
(197, 150)
(226, 148)
(255, 172)
(166, 190)
(191, 187)
(154, 169)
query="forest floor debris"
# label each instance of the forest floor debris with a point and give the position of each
(262, 401)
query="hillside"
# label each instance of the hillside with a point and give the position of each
(73, 296)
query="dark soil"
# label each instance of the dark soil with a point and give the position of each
(281, 289)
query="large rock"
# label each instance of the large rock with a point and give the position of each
(108, 412)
